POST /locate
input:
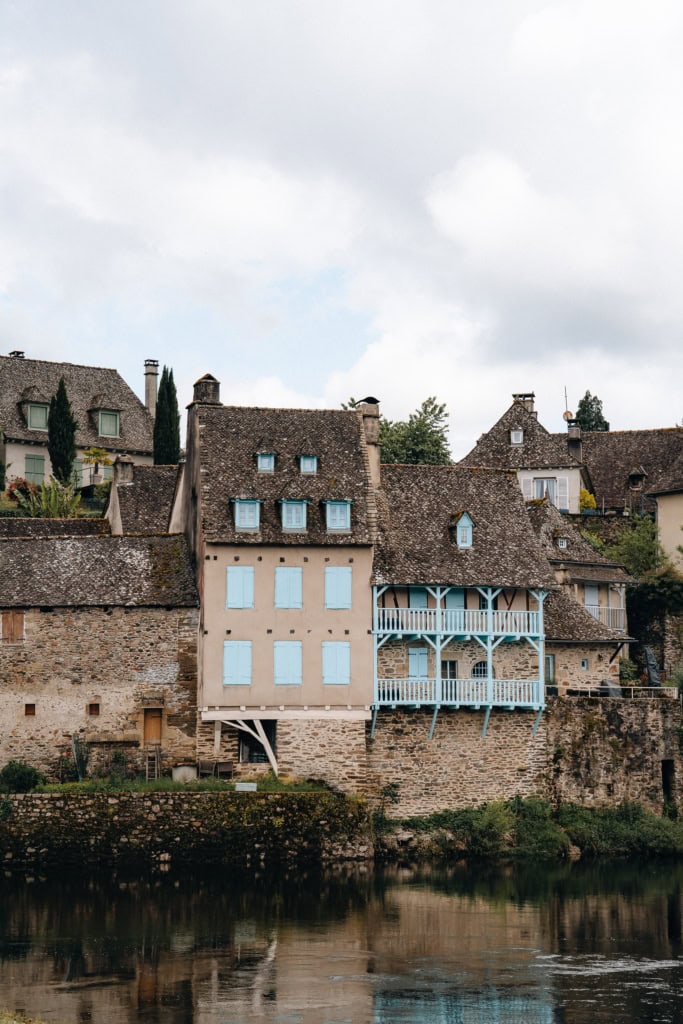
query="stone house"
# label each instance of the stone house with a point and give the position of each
(98, 639)
(108, 413)
(278, 508)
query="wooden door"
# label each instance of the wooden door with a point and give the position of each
(152, 726)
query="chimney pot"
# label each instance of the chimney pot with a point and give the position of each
(16, 354)
(207, 390)
(369, 410)
(151, 374)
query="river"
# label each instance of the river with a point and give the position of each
(569, 944)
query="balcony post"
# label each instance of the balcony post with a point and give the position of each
(375, 683)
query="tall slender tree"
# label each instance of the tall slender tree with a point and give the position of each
(589, 413)
(61, 435)
(166, 422)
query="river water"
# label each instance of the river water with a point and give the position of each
(570, 944)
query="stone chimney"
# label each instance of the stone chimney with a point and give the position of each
(123, 470)
(526, 398)
(369, 410)
(17, 354)
(574, 443)
(207, 390)
(151, 374)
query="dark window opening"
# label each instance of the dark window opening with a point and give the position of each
(668, 779)
(29, 709)
(93, 709)
(252, 750)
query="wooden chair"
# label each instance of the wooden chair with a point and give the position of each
(206, 769)
(224, 769)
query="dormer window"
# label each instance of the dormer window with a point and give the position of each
(562, 542)
(246, 515)
(463, 531)
(109, 423)
(308, 464)
(36, 415)
(293, 515)
(265, 462)
(516, 435)
(338, 516)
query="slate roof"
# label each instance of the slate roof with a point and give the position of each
(229, 439)
(145, 504)
(25, 527)
(579, 558)
(419, 505)
(539, 449)
(95, 572)
(612, 455)
(671, 480)
(89, 388)
(565, 620)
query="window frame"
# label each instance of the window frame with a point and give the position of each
(445, 673)
(464, 531)
(291, 504)
(31, 475)
(240, 507)
(516, 436)
(308, 465)
(35, 407)
(12, 626)
(332, 509)
(265, 462)
(108, 412)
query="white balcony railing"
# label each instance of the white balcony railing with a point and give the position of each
(457, 621)
(461, 692)
(615, 618)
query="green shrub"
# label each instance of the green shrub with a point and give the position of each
(17, 777)
(537, 835)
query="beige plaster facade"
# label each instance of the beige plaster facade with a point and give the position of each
(15, 455)
(567, 481)
(670, 523)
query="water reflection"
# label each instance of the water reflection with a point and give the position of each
(535, 945)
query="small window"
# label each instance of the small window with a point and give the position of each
(550, 669)
(293, 516)
(287, 662)
(516, 436)
(29, 709)
(93, 710)
(308, 464)
(338, 515)
(37, 417)
(338, 583)
(463, 531)
(584, 664)
(35, 469)
(12, 627)
(265, 462)
(247, 515)
(449, 668)
(336, 664)
(288, 587)
(418, 662)
(240, 586)
(562, 542)
(109, 423)
(237, 663)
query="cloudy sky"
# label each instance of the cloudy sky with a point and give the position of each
(313, 199)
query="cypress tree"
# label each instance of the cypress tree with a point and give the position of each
(166, 422)
(61, 435)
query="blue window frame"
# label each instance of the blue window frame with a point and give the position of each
(338, 515)
(464, 531)
(288, 587)
(287, 662)
(308, 464)
(247, 515)
(455, 598)
(418, 662)
(293, 515)
(417, 597)
(265, 462)
(336, 663)
(237, 663)
(240, 586)
(338, 584)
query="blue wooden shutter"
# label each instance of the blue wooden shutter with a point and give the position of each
(288, 587)
(240, 586)
(417, 662)
(338, 580)
(455, 598)
(237, 663)
(287, 662)
(336, 663)
(417, 597)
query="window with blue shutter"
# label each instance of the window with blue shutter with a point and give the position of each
(308, 464)
(35, 469)
(265, 462)
(336, 664)
(455, 598)
(287, 662)
(293, 515)
(237, 663)
(417, 662)
(246, 515)
(288, 587)
(464, 531)
(417, 597)
(338, 515)
(338, 580)
(240, 586)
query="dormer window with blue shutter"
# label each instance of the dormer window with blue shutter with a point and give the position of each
(293, 515)
(265, 462)
(338, 516)
(308, 464)
(463, 531)
(246, 515)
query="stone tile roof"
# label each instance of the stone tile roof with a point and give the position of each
(229, 439)
(88, 387)
(96, 571)
(579, 558)
(25, 527)
(539, 449)
(612, 455)
(145, 504)
(671, 480)
(419, 505)
(565, 620)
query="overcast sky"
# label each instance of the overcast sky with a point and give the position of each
(312, 199)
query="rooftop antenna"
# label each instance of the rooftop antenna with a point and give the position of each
(566, 415)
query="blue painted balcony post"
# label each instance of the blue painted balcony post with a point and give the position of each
(540, 597)
(438, 642)
(489, 646)
(375, 638)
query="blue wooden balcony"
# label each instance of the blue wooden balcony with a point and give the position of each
(457, 622)
(457, 693)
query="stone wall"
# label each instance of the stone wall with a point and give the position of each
(516, 660)
(180, 828)
(590, 751)
(569, 665)
(95, 672)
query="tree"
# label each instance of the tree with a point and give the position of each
(96, 457)
(589, 413)
(166, 422)
(638, 547)
(61, 435)
(419, 439)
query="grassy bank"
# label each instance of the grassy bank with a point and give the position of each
(532, 829)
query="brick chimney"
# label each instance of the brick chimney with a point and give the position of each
(151, 375)
(207, 390)
(369, 410)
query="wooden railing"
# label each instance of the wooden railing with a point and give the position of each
(461, 692)
(615, 618)
(457, 621)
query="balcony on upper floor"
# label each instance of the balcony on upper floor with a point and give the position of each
(614, 618)
(457, 622)
(456, 693)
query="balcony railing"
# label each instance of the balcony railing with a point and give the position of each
(526, 693)
(615, 618)
(457, 621)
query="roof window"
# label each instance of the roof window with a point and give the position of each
(338, 516)
(463, 531)
(293, 515)
(562, 542)
(308, 464)
(37, 416)
(516, 435)
(265, 462)
(108, 423)
(247, 515)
